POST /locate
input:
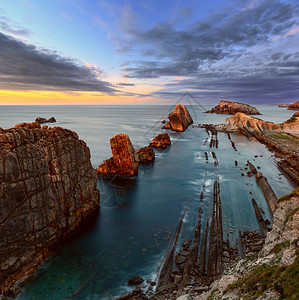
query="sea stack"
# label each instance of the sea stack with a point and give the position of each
(231, 108)
(161, 141)
(48, 187)
(124, 161)
(179, 119)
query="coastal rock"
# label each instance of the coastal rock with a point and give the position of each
(135, 280)
(145, 155)
(294, 106)
(44, 120)
(48, 187)
(123, 162)
(231, 108)
(179, 119)
(161, 141)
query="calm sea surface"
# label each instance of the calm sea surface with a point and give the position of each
(139, 216)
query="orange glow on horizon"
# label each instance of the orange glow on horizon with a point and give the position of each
(66, 98)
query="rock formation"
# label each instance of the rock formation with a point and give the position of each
(231, 108)
(179, 119)
(161, 141)
(145, 155)
(123, 162)
(44, 120)
(294, 106)
(47, 189)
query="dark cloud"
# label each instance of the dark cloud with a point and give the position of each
(220, 36)
(25, 67)
(126, 84)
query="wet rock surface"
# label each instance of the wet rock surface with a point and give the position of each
(48, 187)
(161, 141)
(179, 119)
(231, 108)
(44, 120)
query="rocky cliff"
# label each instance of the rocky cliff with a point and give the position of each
(231, 108)
(294, 106)
(179, 119)
(47, 189)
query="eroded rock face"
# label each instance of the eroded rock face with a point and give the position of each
(123, 162)
(243, 122)
(161, 141)
(231, 108)
(294, 106)
(145, 155)
(47, 188)
(179, 119)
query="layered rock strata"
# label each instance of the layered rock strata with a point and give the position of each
(48, 187)
(294, 106)
(231, 108)
(179, 119)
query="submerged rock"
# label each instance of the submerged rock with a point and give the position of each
(44, 120)
(48, 187)
(135, 280)
(161, 141)
(231, 108)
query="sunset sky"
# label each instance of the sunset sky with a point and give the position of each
(148, 52)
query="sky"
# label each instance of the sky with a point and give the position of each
(148, 51)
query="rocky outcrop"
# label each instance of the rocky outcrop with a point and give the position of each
(124, 161)
(243, 123)
(161, 141)
(294, 106)
(44, 120)
(47, 189)
(231, 108)
(145, 155)
(179, 119)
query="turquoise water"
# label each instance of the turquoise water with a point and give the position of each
(138, 216)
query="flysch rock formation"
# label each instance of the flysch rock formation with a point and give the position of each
(294, 106)
(242, 122)
(231, 108)
(48, 189)
(179, 119)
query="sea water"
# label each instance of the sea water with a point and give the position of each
(139, 216)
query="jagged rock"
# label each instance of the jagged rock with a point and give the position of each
(179, 119)
(47, 189)
(145, 155)
(135, 280)
(231, 108)
(294, 106)
(44, 120)
(161, 141)
(167, 126)
(123, 162)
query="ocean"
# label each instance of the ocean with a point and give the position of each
(139, 216)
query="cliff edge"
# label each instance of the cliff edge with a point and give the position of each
(47, 188)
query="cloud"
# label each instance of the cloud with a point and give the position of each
(9, 27)
(25, 67)
(220, 36)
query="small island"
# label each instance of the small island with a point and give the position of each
(231, 108)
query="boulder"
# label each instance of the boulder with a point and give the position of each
(145, 155)
(231, 108)
(123, 162)
(161, 141)
(179, 119)
(44, 120)
(48, 189)
(135, 280)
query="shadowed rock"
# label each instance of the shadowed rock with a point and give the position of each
(161, 141)
(44, 120)
(47, 189)
(294, 106)
(145, 155)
